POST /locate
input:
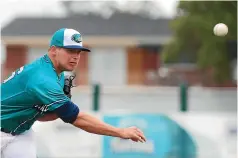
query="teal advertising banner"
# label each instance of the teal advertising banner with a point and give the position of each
(165, 138)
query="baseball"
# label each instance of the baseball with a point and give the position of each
(220, 29)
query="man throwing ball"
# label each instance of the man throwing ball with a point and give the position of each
(36, 92)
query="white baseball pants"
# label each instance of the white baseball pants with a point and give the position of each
(20, 146)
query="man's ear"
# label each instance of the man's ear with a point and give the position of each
(53, 50)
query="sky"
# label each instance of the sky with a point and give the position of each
(10, 9)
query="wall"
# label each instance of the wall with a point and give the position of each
(97, 66)
(17, 54)
(116, 66)
(34, 53)
(142, 65)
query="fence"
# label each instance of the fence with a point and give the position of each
(157, 99)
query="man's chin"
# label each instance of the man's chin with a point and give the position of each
(70, 68)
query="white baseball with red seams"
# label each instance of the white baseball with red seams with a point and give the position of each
(220, 29)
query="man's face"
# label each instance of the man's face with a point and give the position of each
(67, 58)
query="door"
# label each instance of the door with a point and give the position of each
(107, 66)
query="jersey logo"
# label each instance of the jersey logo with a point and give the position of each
(76, 38)
(41, 108)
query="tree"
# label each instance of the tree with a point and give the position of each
(149, 9)
(193, 34)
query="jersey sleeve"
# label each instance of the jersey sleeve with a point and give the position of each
(48, 92)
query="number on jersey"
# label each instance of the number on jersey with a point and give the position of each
(14, 74)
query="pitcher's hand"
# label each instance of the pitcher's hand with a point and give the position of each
(133, 133)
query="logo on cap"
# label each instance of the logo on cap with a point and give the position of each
(76, 38)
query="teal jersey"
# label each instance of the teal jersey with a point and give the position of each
(30, 92)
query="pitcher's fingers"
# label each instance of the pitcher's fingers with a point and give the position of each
(140, 139)
(135, 138)
(137, 129)
(141, 136)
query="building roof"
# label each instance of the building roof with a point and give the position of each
(119, 29)
(119, 24)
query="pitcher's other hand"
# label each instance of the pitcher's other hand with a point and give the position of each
(133, 133)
